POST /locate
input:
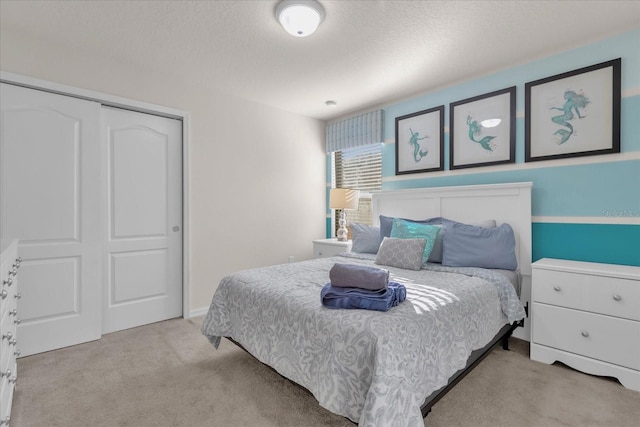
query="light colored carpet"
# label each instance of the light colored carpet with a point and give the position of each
(167, 374)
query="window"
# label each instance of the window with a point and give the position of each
(358, 168)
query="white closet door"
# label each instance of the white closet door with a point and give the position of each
(50, 200)
(143, 247)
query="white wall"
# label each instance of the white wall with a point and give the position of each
(257, 174)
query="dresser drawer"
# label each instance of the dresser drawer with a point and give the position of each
(605, 295)
(7, 355)
(600, 337)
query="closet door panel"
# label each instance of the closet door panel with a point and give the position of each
(50, 200)
(138, 171)
(143, 248)
(49, 210)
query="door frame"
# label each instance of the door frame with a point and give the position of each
(142, 107)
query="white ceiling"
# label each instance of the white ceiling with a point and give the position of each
(364, 54)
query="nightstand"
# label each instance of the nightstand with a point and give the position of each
(587, 316)
(324, 248)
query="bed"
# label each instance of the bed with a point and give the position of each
(383, 368)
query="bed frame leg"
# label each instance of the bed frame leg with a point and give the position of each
(505, 339)
(505, 343)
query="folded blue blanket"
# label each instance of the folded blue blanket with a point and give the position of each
(358, 276)
(381, 300)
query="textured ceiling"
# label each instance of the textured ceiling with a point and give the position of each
(365, 53)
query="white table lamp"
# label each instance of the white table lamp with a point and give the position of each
(343, 198)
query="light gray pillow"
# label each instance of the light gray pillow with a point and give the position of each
(402, 253)
(365, 238)
(471, 246)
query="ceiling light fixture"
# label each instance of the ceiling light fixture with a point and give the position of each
(300, 18)
(490, 123)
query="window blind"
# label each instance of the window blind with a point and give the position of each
(359, 168)
(356, 131)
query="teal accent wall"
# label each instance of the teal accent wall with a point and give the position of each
(612, 244)
(585, 208)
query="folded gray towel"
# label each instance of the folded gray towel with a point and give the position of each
(358, 276)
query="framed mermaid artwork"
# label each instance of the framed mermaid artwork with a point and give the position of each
(573, 114)
(482, 130)
(420, 141)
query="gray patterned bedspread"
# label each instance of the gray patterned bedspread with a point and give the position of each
(376, 368)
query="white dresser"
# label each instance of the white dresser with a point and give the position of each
(587, 316)
(9, 264)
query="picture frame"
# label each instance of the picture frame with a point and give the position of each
(574, 114)
(482, 130)
(420, 141)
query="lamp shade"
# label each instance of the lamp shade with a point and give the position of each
(300, 18)
(343, 198)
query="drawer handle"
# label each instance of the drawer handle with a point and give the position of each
(557, 288)
(3, 293)
(617, 297)
(585, 334)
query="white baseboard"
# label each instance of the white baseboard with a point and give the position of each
(197, 312)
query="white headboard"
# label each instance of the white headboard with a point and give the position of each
(510, 203)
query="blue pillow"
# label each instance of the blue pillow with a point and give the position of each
(436, 253)
(471, 246)
(386, 222)
(404, 229)
(365, 238)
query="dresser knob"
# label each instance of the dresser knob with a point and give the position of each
(557, 288)
(7, 336)
(13, 379)
(18, 295)
(8, 282)
(13, 312)
(17, 353)
(585, 334)
(617, 297)
(5, 421)
(17, 321)
(5, 374)
(3, 293)
(13, 341)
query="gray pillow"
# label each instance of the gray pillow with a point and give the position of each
(402, 253)
(471, 246)
(365, 238)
